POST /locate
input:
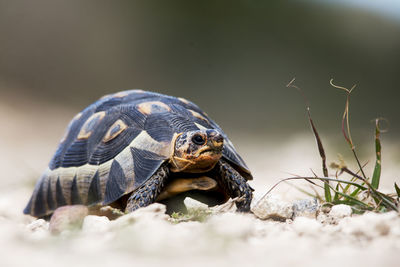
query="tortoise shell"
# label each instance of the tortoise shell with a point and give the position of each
(116, 144)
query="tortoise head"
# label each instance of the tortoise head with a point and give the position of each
(197, 151)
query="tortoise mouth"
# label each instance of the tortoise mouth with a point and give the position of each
(202, 161)
(209, 151)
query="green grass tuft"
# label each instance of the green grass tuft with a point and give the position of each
(193, 214)
(360, 191)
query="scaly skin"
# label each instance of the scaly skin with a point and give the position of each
(235, 185)
(148, 192)
(230, 180)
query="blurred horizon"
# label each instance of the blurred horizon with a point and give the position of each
(232, 59)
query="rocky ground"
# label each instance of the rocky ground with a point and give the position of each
(301, 235)
(149, 237)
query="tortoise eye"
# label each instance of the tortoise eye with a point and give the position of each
(198, 139)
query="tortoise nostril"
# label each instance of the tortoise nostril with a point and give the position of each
(218, 141)
(219, 138)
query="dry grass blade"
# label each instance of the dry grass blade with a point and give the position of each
(321, 150)
(346, 121)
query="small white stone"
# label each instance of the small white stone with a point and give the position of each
(191, 203)
(38, 225)
(273, 207)
(93, 224)
(229, 206)
(341, 211)
(305, 208)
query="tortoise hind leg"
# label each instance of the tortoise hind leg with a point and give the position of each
(148, 192)
(235, 185)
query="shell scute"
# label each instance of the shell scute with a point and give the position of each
(94, 194)
(60, 199)
(145, 162)
(90, 125)
(75, 195)
(116, 183)
(115, 129)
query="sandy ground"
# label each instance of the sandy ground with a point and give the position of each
(30, 133)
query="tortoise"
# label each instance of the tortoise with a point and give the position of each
(137, 147)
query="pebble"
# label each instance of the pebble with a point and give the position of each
(38, 225)
(341, 211)
(335, 215)
(67, 218)
(273, 207)
(306, 208)
(191, 203)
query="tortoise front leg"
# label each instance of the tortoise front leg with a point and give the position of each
(148, 192)
(235, 185)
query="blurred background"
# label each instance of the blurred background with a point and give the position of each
(232, 58)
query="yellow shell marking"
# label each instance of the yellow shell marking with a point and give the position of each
(77, 116)
(88, 126)
(198, 115)
(118, 127)
(121, 94)
(147, 108)
(201, 127)
(184, 100)
(137, 91)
